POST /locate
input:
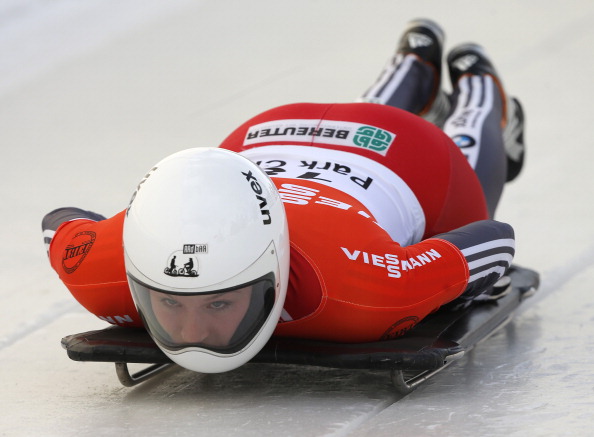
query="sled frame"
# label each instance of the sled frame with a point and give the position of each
(128, 379)
(429, 348)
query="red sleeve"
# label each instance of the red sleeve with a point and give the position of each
(371, 287)
(89, 259)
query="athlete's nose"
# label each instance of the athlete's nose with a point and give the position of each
(194, 329)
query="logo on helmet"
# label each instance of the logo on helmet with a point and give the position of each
(185, 262)
(146, 176)
(257, 189)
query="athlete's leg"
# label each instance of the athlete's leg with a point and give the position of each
(479, 116)
(412, 77)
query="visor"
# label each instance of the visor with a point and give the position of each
(222, 321)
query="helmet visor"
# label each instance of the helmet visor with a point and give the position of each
(222, 321)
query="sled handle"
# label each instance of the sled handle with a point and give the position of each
(405, 385)
(130, 380)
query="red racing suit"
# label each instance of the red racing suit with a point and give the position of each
(365, 188)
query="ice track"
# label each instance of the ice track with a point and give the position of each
(93, 93)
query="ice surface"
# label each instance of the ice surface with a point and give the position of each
(93, 93)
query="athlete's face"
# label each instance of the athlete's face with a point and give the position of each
(207, 319)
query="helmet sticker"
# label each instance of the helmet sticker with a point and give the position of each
(146, 176)
(185, 262)
(258, 191)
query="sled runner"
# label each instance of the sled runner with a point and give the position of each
(431, 346)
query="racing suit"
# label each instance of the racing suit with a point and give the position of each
(387, 223)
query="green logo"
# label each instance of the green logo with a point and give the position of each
(373, 138)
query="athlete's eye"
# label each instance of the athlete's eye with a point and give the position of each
(219, 304)
(169, 302)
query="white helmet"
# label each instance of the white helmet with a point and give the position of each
(206, 249)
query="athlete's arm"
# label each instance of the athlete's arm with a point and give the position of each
(488, 247)
(85, 249)
(53, 220)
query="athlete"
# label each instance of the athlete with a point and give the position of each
(338, 222)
